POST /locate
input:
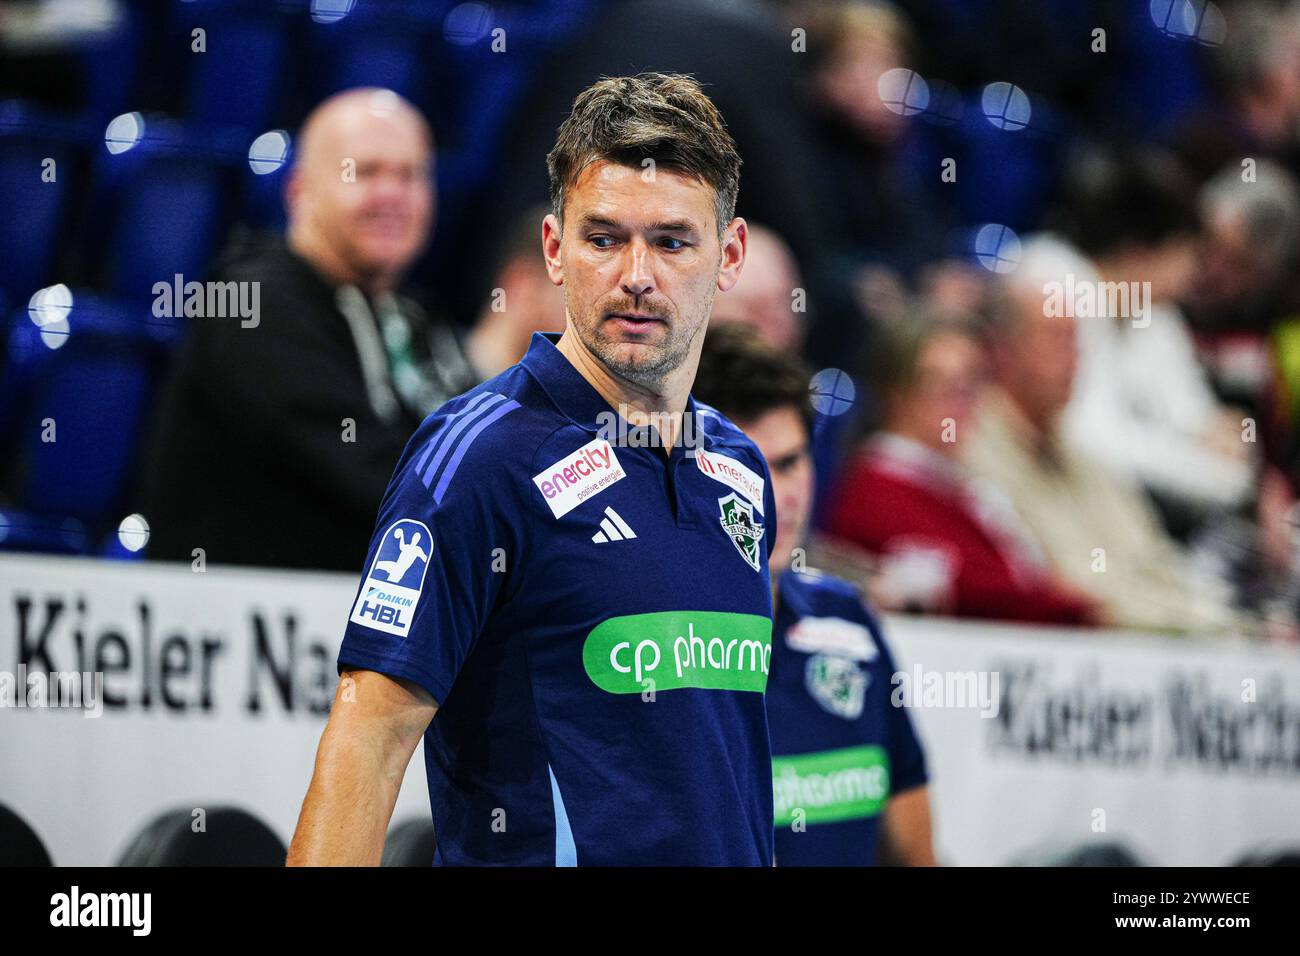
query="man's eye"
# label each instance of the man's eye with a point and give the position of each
(676, 243)
(602, 242)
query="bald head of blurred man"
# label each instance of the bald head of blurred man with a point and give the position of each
(764, 296)
(361, 197)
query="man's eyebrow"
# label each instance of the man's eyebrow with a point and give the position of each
(676, 225)
(590, 220)
(793, 454)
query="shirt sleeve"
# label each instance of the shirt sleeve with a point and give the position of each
(433, 572)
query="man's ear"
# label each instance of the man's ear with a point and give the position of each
(551, 248)
(735, 240)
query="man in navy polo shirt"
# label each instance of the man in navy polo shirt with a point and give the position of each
(844, 759)
(570, 564)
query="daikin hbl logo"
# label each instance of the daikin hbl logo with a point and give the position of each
(391, 591)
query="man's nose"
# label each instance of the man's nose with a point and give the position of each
(391, 187)
(637, 279)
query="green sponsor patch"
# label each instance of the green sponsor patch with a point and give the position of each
(831, 785)
(669, 650)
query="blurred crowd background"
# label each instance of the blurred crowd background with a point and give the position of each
(1037, 256)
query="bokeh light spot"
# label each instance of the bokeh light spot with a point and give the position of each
(831, 392)
(467, 23)
(268, 152)
(133, 532)
(123, 132)
(997, 247)
(1006, 106)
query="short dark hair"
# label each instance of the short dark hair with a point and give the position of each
(744, 377)
(1143, 196)
(661, 116)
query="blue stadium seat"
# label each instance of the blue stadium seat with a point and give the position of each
(160, 206)
(36, 206)
(111, 65)
(91, 384)
(378, 56)
(235, 82)
(262, 205)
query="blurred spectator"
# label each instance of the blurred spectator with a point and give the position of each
(1246, 309)
(876, 209)
(1252, 223)
(275, 441)
(1256, 110)
(1247, 274)
(523, 301)
(1142, 403)
(944, 544)
(769, 291)
(1098, 529)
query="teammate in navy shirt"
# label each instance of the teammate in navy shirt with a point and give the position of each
(570, 565)
(844, 759)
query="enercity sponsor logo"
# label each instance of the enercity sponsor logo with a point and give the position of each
(670, 650)
(74, 908)
(953, 690)
(208, 300)
(573, 479)
(1088, 299)
(73, 690)
(617, 428)
(851, 783)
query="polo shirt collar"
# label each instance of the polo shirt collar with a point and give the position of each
(575, 397)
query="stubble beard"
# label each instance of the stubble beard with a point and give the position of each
(643, 363)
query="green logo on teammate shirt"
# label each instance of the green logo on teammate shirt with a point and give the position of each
(831, 785)
(745, 531)
(713, 650)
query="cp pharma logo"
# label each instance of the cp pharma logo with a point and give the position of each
(832, 785)
(711, 650)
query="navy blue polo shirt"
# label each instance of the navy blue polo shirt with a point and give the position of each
(840, 749)
(593, 617)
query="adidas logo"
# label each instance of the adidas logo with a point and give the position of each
(613, 528)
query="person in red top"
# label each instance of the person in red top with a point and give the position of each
(943, 543)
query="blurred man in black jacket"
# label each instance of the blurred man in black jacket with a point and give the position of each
(276, 438)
